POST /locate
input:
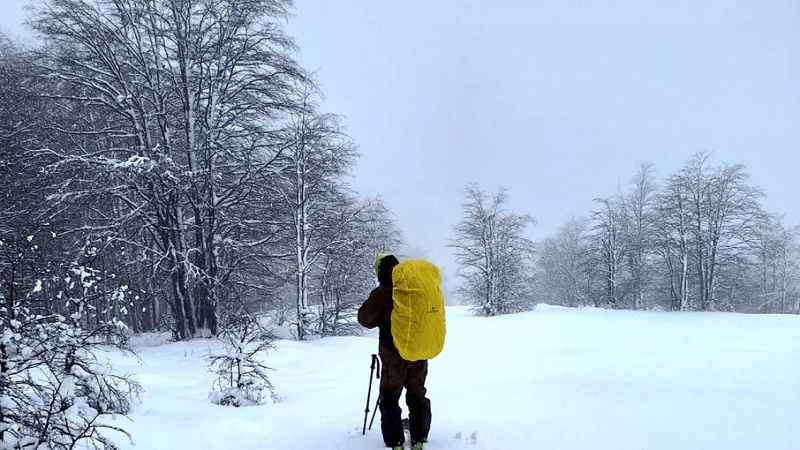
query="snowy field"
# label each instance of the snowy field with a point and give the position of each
(554, 378)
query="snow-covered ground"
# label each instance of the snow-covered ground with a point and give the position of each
(554, 378)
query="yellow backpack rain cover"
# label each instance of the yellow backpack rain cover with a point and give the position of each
(418, 323)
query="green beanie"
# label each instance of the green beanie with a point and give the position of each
(378, 261)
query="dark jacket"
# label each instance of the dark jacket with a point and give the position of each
(377, 310)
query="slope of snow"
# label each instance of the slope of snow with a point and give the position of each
(554, 378)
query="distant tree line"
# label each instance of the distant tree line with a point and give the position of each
(170, 162)
(699, 240)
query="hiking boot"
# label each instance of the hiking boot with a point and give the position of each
(416, 446)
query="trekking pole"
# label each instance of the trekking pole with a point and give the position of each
(380, 396)
(377, 404)
(375, 362)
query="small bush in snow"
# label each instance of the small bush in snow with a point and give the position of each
(241, 376)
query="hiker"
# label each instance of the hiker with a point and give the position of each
(396, 372)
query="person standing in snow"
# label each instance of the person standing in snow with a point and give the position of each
(396, 372)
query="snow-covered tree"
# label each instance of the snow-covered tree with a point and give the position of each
(493, 256)
(638, 207)
(708, 215)
(345, 275)
(673, 241)
(775, 269)
(311, 186)
(565, 272)
(610, 244)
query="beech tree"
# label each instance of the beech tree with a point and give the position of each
(639, 228)
(345, 275)
(776, 267)
(493, 256)
(310, 186)
(565, 273)
(674, 239)
(609, 241)
(723, 213)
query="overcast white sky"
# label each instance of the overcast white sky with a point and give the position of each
(559, 101)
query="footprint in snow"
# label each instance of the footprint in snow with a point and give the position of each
(471, 439)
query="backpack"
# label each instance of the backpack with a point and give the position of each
(418, 319)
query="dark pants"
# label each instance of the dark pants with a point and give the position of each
(396, 374)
